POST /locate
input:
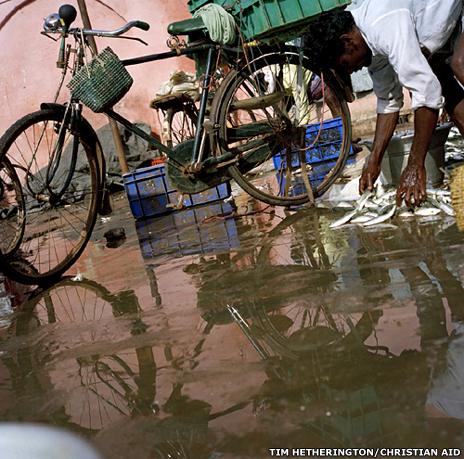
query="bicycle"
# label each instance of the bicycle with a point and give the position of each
(12, 211)
(258, 114)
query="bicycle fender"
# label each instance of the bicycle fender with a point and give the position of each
(342, 84)
(104, 207)
(89, 131)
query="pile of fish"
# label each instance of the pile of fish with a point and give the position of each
(378, 206)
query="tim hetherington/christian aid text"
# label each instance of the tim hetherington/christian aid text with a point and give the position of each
(364, 452)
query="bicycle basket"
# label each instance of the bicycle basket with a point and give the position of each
(102, 82)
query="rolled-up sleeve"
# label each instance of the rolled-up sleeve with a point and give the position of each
(405, 66)
(386, 86)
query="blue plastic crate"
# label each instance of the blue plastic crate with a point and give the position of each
(328, 144)
(150, 192)
(322, 157)
(184, 233)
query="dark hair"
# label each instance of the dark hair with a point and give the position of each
(321, 40)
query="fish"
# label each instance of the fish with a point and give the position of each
(437, 192)
(363, 199)
(381, 206)
(406, 214)
(371, 205)
(427, 211)
(363, 218)
(344, 205)
(382, 217)
(345, 219)
(446, 208)
(387, 196)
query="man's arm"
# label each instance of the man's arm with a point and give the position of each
(384, 129)
(412, 181)
(389, 94)
(457, 61)
(397, 41)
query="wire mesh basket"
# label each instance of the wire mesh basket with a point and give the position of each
(101, 83)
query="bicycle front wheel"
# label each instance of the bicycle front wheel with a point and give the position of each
(59, 177)
(289, 128)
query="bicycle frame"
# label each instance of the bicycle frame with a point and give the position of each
(213, 52)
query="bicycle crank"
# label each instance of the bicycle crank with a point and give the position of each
(180, 173)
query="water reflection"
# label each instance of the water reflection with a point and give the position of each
(297, 337)
(361, 330)
(61, 322)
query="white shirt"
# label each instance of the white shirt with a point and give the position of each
(395, 31)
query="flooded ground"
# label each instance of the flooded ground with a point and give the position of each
(223, 338)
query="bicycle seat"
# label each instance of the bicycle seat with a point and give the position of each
(187, 27)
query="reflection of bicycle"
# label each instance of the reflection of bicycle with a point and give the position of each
(295, 317)
(142, 378)
(325, 375)
(109, 386)
(259, 113)
(299, 330)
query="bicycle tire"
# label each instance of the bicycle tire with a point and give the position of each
(252, 84)
(12, 209)
(55, 233)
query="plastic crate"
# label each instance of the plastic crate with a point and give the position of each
(281, 19)
(184, 233)
(194, 5)
(322, 157)
(150, 192)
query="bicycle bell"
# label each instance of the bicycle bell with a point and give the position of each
(52, 22)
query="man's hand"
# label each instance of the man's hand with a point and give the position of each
(412, 186)
(384, 129)
(412, 180)
(370, 173)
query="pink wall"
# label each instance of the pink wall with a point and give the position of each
(28, 75)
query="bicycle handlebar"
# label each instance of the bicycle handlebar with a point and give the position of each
(114, 33)
(55, 27)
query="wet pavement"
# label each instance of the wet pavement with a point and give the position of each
(205, 336)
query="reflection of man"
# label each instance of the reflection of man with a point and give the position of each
(406, 44)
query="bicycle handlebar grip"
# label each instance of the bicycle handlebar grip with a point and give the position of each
(142, 25)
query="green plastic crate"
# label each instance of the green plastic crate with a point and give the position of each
(281, 19)
(193, 5)
(272, 20)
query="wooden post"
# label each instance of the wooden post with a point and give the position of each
(114, 126)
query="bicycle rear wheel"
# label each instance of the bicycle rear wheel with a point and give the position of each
(12, 211)
(59, 176)
(289, 127)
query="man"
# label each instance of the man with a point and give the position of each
(412, 44)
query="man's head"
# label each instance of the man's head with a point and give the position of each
(333, 41)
